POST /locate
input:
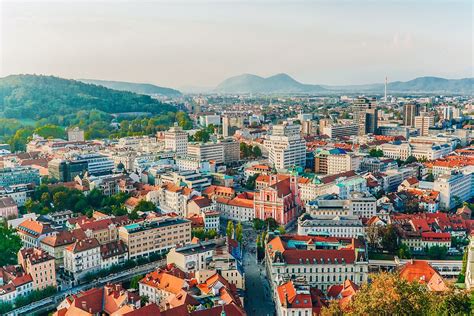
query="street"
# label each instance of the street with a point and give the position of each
(258, 299)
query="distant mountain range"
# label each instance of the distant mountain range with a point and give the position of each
(280, 83)
(283, 83)
(140, 88)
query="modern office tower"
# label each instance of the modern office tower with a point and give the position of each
(19, 175)
(225, 126)
(423, 122)
(286, 147)
(341, 130)
(371, 119)
(307, 127)
(66, 170)
(206, 151)
(410, 110)
(176, 140)
(97, 164)
(231, 150)
(448, 113)
(394, 130)
(454, 188)
(365, 114)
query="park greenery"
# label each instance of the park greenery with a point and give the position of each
(46, 199)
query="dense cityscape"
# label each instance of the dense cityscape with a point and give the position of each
(245, 204)
(236, 158)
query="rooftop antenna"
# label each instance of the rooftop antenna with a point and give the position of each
(385, 94)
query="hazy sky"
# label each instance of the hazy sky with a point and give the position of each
(200, 43)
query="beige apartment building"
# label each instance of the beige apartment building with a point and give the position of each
(155, 236)
(423, 122)
(40, 265)
(55, 245)
(104, 230)
(341, 163)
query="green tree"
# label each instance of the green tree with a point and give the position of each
(271, 223)
(391, 294)
(258, 224)
(281, 230)
(376, 152)
(451, 302)
(437, 252)
(10, 243)
(202, 136)
(251, 182)
(144, 300)
(411, 159)
(60, 200)
(50, 131)
(145, 206)
(404, 252)
(133, 215)
(134, 281)
(462, 275)
(429, 177)
(230, 229)
(257, 152)
(390, 239)
(239, 232)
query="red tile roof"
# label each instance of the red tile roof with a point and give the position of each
(148, 310)
(298, 256)
(421, 271)
(83, 245)
(60, 239)
(101, 224)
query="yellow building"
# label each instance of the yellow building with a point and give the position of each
(40, 265)
(155, 236)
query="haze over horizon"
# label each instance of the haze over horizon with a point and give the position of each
(201, 43)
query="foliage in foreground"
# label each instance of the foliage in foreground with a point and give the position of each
(388, 294)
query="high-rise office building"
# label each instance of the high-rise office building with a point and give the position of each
(448, 113)
(371, 120)
(66, 170)
(176, 140)
(410, 110)
(423, 122)
(286, 147)
(365, 115)
(225, 126)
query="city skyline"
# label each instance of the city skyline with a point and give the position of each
(202, 43)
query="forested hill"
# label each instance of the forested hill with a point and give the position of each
(141, 88)
(37, 97)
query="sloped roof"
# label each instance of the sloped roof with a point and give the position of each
(421, 271)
